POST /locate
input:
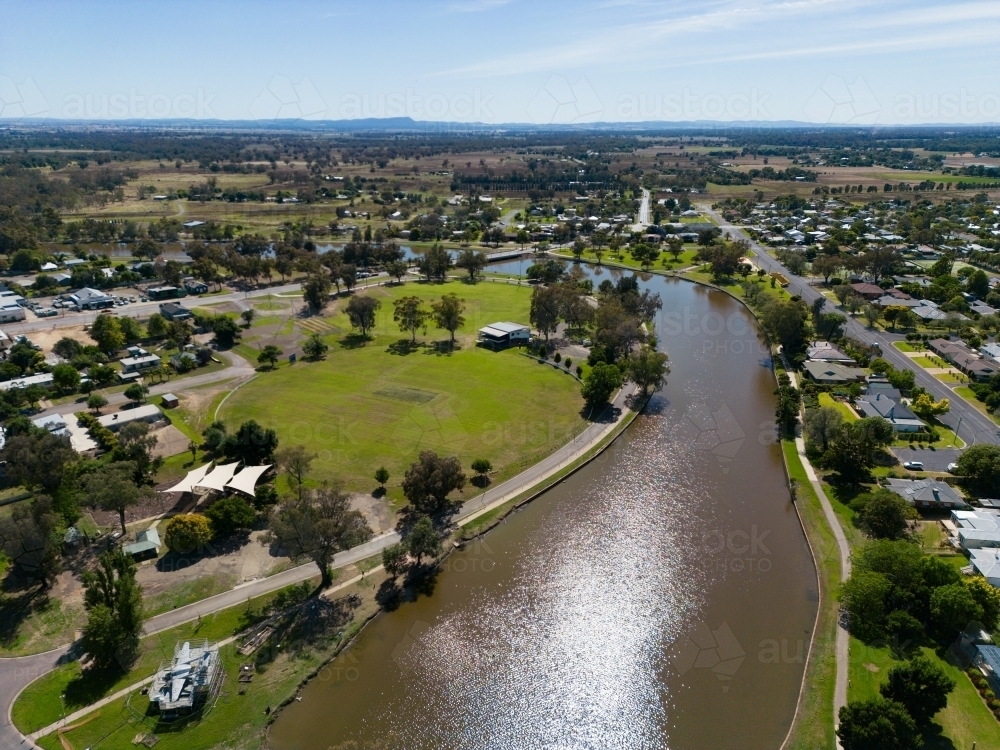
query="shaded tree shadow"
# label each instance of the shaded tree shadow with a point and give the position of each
(445, 348)
(404, 347)
(605, 414)
(353, 341)
(481, 481)
(15, 609)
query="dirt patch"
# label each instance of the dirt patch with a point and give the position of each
(224, 563)
(375, 510)
(46, 339)
(169, 441)
(871, 667)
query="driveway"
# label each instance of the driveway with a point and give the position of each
(933, 460)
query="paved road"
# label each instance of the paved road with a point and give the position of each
(973, 426)
(644, 220)
(16, 674)
(239, 369)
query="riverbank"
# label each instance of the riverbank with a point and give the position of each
(493, 506)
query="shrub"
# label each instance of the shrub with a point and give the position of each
(229, 515)
(188, 532)
(557, 357)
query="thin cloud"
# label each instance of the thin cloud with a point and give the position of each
(476, 6)
(750, 26)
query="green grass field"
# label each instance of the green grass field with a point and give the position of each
(905, 346)
(928, 362)
(825, 399)
(381, 403)
(965, 392)
(965, 719)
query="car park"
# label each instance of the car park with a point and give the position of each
(913, 465)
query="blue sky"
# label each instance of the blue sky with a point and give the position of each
(496, 61)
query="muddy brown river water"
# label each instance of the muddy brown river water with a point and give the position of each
(661, 597)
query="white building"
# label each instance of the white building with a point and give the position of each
(975, 529)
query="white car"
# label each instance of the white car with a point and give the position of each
(952, 468)
(913, 465)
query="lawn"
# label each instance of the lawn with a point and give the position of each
(965, 392)
(813, 726)
(964, 721)
(666, 260)
(928, 362)
(905, 346)
(382, 402)
(825, 399)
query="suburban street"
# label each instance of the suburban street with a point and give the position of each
(967, 421)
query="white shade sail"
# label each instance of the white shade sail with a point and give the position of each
(219, 476)
(187, 484)
(246, 480)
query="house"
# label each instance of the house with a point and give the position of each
(184, 362)
(976, 367)
(894, 412)
(883, 386)
(975, 529)
(832, 372)
(948, 349)
(173, 311)
(195, 287)
(981, 308)
(54, 423)
(824, 351)
(164, 292)
(890, 300)
(927, 313)
(146, 413)
(11, 314)
(927, 493)
(74, 262)
(91, 299)
(503, 334)
(147, 545)
(137, 364)
(43, 379)
(867, 291)
(991, 351)
(987, 661)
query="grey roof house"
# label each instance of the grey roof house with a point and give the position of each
(897, 414)
(927, 493)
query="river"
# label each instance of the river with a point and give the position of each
(661, 597)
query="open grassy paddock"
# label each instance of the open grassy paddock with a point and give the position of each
(382, 401)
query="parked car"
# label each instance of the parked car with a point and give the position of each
(913, 465)
(952, 467)
(46, 312)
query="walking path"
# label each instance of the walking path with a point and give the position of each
(843, 639)
(17, 673)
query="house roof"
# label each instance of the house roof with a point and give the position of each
(926, 491)
(825, 351)
(866, 288)
(880, 405)
(831, 372)
(86, 294)
(987, 561)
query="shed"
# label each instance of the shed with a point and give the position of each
(147, 544)
(145, 413)
(169, 401)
